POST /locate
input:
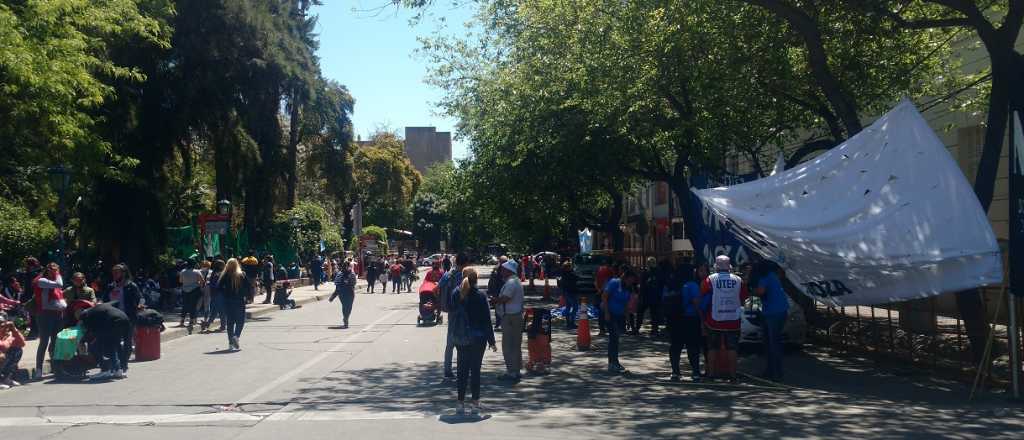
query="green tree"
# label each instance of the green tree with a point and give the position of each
(384, 182)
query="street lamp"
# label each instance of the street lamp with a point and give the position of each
(60, 179)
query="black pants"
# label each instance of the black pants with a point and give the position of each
(685, 332)
(371, 279)
(115, 347)
(234, 311)
(470, 358)
(189, 304)
(654, 309)
(346, 305)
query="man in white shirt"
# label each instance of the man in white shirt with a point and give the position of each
(511, 300)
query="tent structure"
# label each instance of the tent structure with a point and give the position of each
(886, 216)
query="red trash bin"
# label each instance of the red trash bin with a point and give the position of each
(147, 343)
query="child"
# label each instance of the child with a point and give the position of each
(11, 345)
(281, 295)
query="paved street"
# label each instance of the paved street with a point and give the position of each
(300, 376)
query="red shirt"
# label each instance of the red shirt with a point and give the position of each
(433, 276)
(604, 273)
(396, 270)
(706, 291)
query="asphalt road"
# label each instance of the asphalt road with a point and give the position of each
(299, 376)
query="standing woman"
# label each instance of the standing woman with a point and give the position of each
(235, 286)
(192, 283)
(472, 316)
(49, 308)
(216, 296)
(203, 309)
(345, 290)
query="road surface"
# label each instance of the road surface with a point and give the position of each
(299, 376)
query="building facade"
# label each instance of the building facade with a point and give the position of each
(426, 146)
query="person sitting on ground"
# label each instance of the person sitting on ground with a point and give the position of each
(11, 345)
(282, 296)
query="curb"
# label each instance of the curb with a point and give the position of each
(169, 334)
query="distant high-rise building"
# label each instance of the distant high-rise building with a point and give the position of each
(426, 146)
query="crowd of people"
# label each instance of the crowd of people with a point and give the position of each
(698, 307)
(43, 301)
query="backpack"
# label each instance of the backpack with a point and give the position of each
(444, 290)
(458, 324)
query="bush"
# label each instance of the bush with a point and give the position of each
(376, 231)
(332, 241)
(22, 234)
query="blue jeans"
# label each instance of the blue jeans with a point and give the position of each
(771, 337)
(572, 308)
(449, 351)
(216, 310)
(616, 327)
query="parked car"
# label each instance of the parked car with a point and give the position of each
(794, 333)
(429, 261)
(585, 266)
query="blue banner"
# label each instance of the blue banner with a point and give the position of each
(711, 236)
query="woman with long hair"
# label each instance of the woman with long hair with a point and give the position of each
(49, 309)
(472, 317)
(234, 286)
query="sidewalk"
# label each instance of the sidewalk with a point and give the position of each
(302, 295)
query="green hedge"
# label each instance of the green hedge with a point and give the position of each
(22, 235)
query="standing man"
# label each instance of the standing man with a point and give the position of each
(604, 273)
(448, 284)
(774, 309)
(371, 274)
(192, 283)
(722, 299)
(613, 306)
(494, 284)
(316, 270)
(268, 278)
(567, 284)
(511, 300)
(126, 296)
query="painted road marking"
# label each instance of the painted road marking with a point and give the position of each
(253, 396)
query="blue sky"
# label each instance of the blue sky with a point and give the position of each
(373, 53)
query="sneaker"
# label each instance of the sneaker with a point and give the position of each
(674, 377)
(474, 408)
(12, 383)
(460, 409)
(4, 387)
(118, 374)
(37, 374)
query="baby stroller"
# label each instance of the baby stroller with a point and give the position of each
(429, 315)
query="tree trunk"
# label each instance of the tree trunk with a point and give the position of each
(842, 103)
(293, 153)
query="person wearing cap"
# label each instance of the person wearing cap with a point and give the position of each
(722, 296)
(511, 300)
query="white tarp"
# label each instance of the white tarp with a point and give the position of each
(886, 216)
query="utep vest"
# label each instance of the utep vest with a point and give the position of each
(725, 298)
